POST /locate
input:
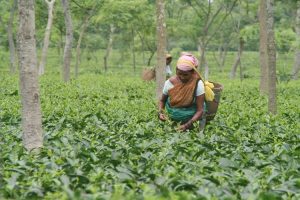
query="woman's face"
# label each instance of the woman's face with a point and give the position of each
(168, 60)
(184, 76)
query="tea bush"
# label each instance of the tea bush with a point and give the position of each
(102, 140)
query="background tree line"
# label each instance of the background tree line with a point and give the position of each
(129, 27)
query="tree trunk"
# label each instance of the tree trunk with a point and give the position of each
(133, 50)
(271, 49)
(152, 51)
(220, 59)
(69, 40)
(203, 62)
(143, 49)
(150, 57)
(161, 47)
(61, 46)
(83, 28)
(296, 67)
(222, 55)
(29, 89)
(11, 42)
(201, 50)
(263, 57)
(42, 64)
(109, 46)
(206, 68)
(238, 59)
(209, 19)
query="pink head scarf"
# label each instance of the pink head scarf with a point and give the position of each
(187, 62)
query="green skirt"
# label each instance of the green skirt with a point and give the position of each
(181, 114)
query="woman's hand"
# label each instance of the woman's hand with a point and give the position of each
(185, 126)
(161, 107)
(162, 116)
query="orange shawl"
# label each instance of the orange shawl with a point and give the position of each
(182, 94)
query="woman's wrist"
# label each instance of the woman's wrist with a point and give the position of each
(159, 113)
(189, 123)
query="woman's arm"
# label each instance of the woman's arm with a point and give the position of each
(161, 107)
(197, 115)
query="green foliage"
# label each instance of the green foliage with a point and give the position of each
(102, 140)
(5, 10)
(285, 39)
(184, 20)
(250, 34)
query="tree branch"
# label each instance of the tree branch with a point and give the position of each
(196, 11)
(212, 19)
(221, 23)
(201, 6)
(80, 6)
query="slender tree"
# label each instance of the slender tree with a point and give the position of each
(240, 49)
(133, 49)
(222, 51)
(83, 28)
(271, 49)
(109, 45)
(296, 67)
(69, 41)
(238, 59)
(42, 64)
(161, 47)
(11, 42)
(30, 98)
(84, 10)
(213, 15)
(263, 57)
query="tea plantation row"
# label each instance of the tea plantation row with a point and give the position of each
(102, 140)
